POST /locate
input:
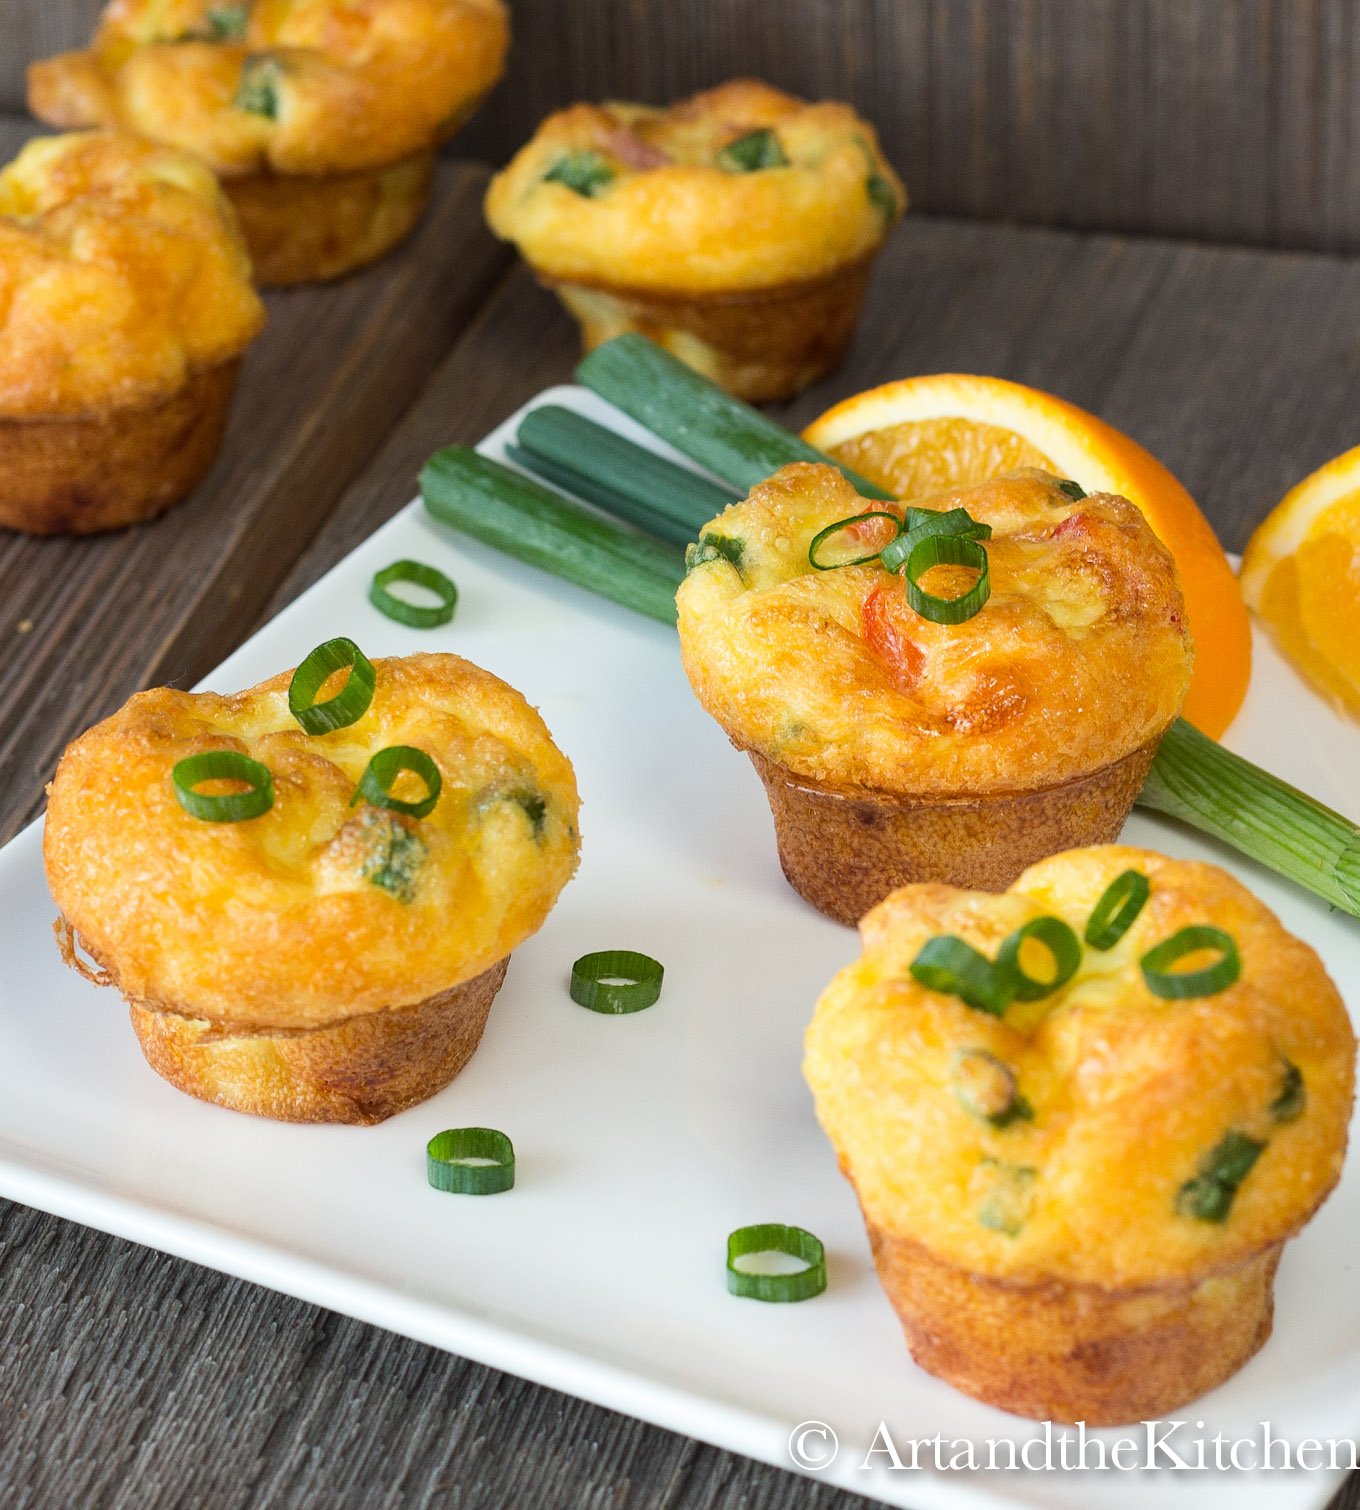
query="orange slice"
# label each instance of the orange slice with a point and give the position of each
(1301, 573)
(947, 430)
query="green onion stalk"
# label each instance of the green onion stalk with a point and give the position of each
(1193, 779)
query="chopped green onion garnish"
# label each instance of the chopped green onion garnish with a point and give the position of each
(376, 784)
(1178, 985)
(750, 153)
(470, 1161)
(1060, 942)
(774, 1237)
(947, 550)
(1209, 1196)
(1007, 1205)
(616, 981)
(819, 548)
(417, 615)
(394, 854)
(223, 765)
(227, 23)
(949, 965)
(1117, 910)
(986, 1088)
(1291, 1099)
(585, 173)
(923, 522)
(348, 705)
(711, 546)
(881, 194)
(1074, 490)
(258, 91)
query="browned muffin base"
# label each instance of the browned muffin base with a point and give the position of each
(761, 345)
(1060, 1352)
(845, 851)
(362, 1070)
(103, 471)
(305, 229)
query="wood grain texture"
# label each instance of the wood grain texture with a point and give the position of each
(87, 622)
(1230, 122)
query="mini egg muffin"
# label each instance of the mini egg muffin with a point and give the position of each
(894, 748)
(321, 116)
(737, 228)
(333, 959)
(125, 305)
(1077, 1198)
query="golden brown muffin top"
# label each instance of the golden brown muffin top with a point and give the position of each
(1128, 1097)
(742, 187)
(320, 909)
(1079, 657)
(121, 271)
(293, 86)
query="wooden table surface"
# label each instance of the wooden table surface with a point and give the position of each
(131, 1378)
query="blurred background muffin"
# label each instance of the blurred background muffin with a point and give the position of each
(736, 228)
(321, 117)
(1082, 1119)
(125, 305)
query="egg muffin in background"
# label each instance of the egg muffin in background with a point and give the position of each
(894, 748)
(1077, 1199)
(321, 116)
(334, 958)
(125, 305)
(737, 228)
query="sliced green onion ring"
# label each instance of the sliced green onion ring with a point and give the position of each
(947, 550)
(470, 1161)
(223, 765)
(1061, 943)
(616, 981)
(923, 522)
(1178, 985)
(822, 536)
(417, 615)
(774, 1237)
(348, 705)
(1117, 910)
(376, 784)
(949, 965)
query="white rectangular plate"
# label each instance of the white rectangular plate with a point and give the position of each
(641, 1141)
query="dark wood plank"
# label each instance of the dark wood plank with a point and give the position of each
(1182, 117)
(90, 621)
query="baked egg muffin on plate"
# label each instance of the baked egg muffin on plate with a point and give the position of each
(942, 693)
(737, 228)
(1082, 1119)
(321, 116)
(308, 891)
(125, 306)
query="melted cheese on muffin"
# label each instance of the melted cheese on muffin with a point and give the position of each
(320, 909)
(121, 271)
(1127, 1094)
(1079, 657)
(662, 212)
(296, 86)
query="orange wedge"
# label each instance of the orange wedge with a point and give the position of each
(1301, 573)
(925, 434)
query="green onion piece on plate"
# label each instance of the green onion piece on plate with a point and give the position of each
(774, 1237)
(1061, 943)
(750, 153)
(223, 765)
(1209, 1196)
(417, 574)
(821, 552)
(947, 550)
(588, 174)
(376, 784)
(1117, 910)
(616, 981)
(954, 968)
(348, 705)
(1164, 980)
(470, 1161)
